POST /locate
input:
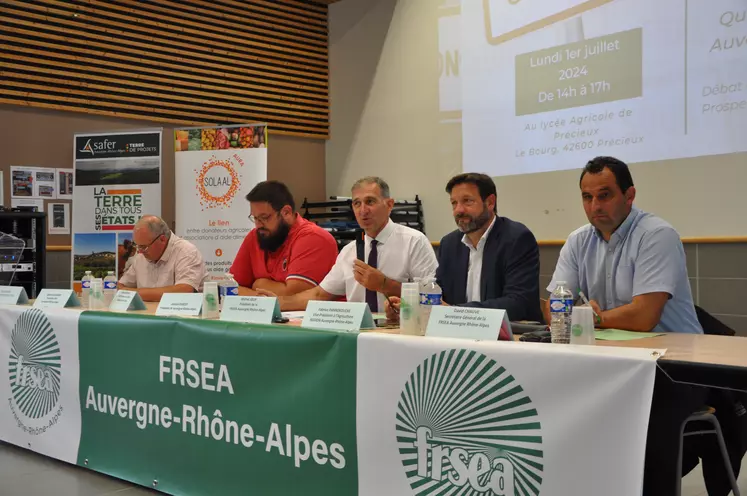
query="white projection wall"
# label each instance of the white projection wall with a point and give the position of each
(547, 83)
(421, 90)
(449, 60)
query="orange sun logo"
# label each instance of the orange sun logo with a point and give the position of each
(217, 183)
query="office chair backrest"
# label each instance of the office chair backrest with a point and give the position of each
(711, 325)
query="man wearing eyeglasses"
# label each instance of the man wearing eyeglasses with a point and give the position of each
(284, 253)
(165, 263)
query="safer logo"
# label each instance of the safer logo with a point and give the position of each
(465, 426)
(34, 366)
(98, 146)
(87, 148)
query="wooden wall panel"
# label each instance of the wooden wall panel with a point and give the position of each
(189, 62)
(44, 138)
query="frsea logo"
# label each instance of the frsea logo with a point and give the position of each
(464, 426)
(98, 146)
(34, 365)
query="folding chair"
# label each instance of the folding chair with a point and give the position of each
(708, 417)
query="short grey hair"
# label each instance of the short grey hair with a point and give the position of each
(383, 186)
(156, 225)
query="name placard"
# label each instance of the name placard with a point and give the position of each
(56, 298)
(181, 304)
(252, 309)
(484, 324)
(13, 295)
(338, 316)
(125, 300)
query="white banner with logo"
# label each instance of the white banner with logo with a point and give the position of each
(448, 416)
(414, 415)
(117, 181)
(215, 170)
(40, 393)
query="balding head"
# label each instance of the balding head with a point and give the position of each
(155, 225)
(151, 234)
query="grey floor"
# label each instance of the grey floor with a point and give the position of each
(24, 473)
(692, 483)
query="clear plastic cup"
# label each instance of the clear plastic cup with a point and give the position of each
(409, 309)
(582, 325)
(210, 308)
(96, 298)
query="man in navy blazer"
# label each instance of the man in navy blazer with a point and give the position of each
(489, 261)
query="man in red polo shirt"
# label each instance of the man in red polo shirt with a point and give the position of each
(284, 253)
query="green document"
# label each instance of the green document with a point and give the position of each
(620, 335)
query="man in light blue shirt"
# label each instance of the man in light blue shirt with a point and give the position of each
(630, 263)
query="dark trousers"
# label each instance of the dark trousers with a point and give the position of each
(672, 404)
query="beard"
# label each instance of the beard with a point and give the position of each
(272, 241)
(476, 222)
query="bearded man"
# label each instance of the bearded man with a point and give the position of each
(489, 261)
(284, 254)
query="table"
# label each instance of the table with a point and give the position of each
(722, 351)
(692, 348)
(714, 361)
(335, 413)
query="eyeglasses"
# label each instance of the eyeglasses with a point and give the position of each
(144, 248)
(262, 219)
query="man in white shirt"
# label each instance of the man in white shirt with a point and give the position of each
(165, 263)
(393, 254)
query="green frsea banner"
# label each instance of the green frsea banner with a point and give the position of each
(189, 403)
(194, 407)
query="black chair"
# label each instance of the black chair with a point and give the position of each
(711, 325)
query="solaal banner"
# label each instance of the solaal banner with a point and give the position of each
(117, 181)
(216, 168)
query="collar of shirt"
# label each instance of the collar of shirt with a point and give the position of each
(297, 223)
(168, 251)
(384, 235)
(291, 234)
(297, 226)
(621, 232)
(483, 238)
(281, 251)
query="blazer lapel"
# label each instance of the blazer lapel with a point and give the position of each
(460, 270)
(489, 261)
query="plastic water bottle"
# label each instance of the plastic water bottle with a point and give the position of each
(85, 291)
(110, 288)
(227, 287)
(561, 308)
(430, 295)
